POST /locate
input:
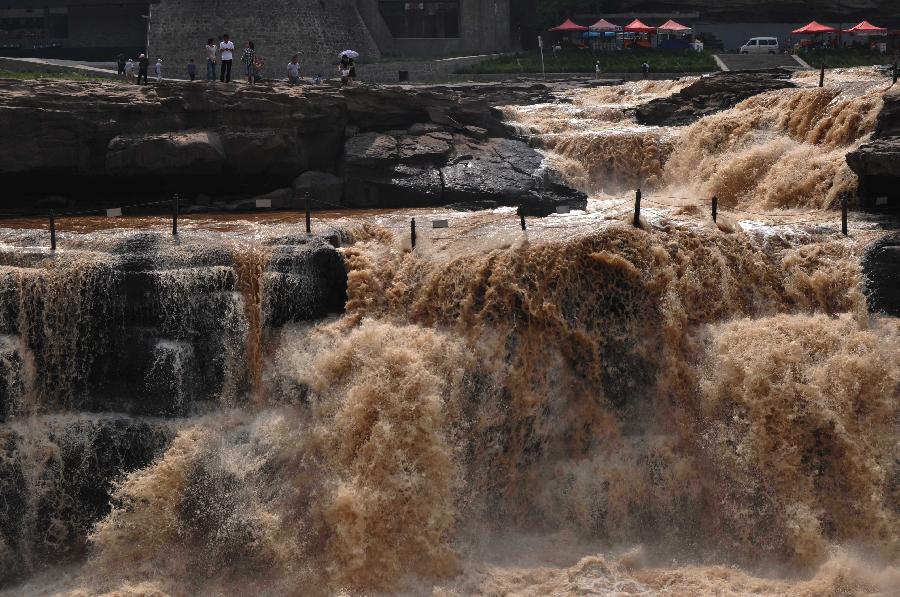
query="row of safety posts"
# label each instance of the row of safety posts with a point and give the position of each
(267, 203)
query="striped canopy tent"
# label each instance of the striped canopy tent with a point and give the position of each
(671, 26)
(814, 28)
(866, 28)
(569, 27)
(636, 26)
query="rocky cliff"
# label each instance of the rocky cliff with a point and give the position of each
(877, 163)
(96, 142)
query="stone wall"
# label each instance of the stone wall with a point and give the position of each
(315, 29)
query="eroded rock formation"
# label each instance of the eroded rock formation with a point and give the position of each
(391, 146)
(877, 163)
(711, 94)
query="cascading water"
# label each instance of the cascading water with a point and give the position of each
(582, 408)
(778, 150)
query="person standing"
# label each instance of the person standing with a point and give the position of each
(344, 70)
(129, 69)
(143, 66)
(249, 59)
(192, 70)
(210, 59)
(120, 62)
(645, 69)
(293, 70)
(226, 53)
(157, 69)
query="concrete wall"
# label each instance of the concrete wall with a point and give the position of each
(484, 29)
(316, 29)
(107, 27)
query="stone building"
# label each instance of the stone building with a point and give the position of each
(319, 29)
(79, 29)
(177, 30)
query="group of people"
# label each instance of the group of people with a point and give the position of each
(219, 60)
(130, 68)
(223, 52)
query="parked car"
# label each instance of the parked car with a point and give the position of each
(760, 45)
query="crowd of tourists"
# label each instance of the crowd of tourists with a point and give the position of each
(220, 58)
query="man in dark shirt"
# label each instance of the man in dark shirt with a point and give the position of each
(143, 66)
(120, 62)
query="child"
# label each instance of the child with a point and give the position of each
(192, 70)
(158, 69)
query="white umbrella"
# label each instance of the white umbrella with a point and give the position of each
(352, 54)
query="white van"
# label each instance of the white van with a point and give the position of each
(760, 45)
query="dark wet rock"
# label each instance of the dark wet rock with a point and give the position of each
(881, 266)
(165, 154)
(711, 94)
(877, 162)
(50, 497)
(278, 199)
(393, 146)
(439, 168)
(473, 205)
(52, 202)
(545, 201)
(265, 151)
(325, 190)
(425, 148)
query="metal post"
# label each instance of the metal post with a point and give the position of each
(175, 199)
(412, 232)
(308, 221)
(52, 231)
(844, 215)
(522, 220)
(541, 46)
(715, 208)
(822, 75)
(637, 208)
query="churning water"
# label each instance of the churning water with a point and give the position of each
(585, 408)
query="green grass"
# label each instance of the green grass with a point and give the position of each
(845, 57)
(582, 61)
(30, 75)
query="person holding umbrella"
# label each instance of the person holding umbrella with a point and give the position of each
(347, 67)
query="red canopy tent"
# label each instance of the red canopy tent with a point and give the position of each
(568, 27)
(673, 27)
(814, 28)
(866, 28)
(636, 26)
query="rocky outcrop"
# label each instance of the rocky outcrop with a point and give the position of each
(434, 165)
(710, 94)
(380, 146)
(877, 162)
(881, 266)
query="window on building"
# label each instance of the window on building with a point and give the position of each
(421, 19)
